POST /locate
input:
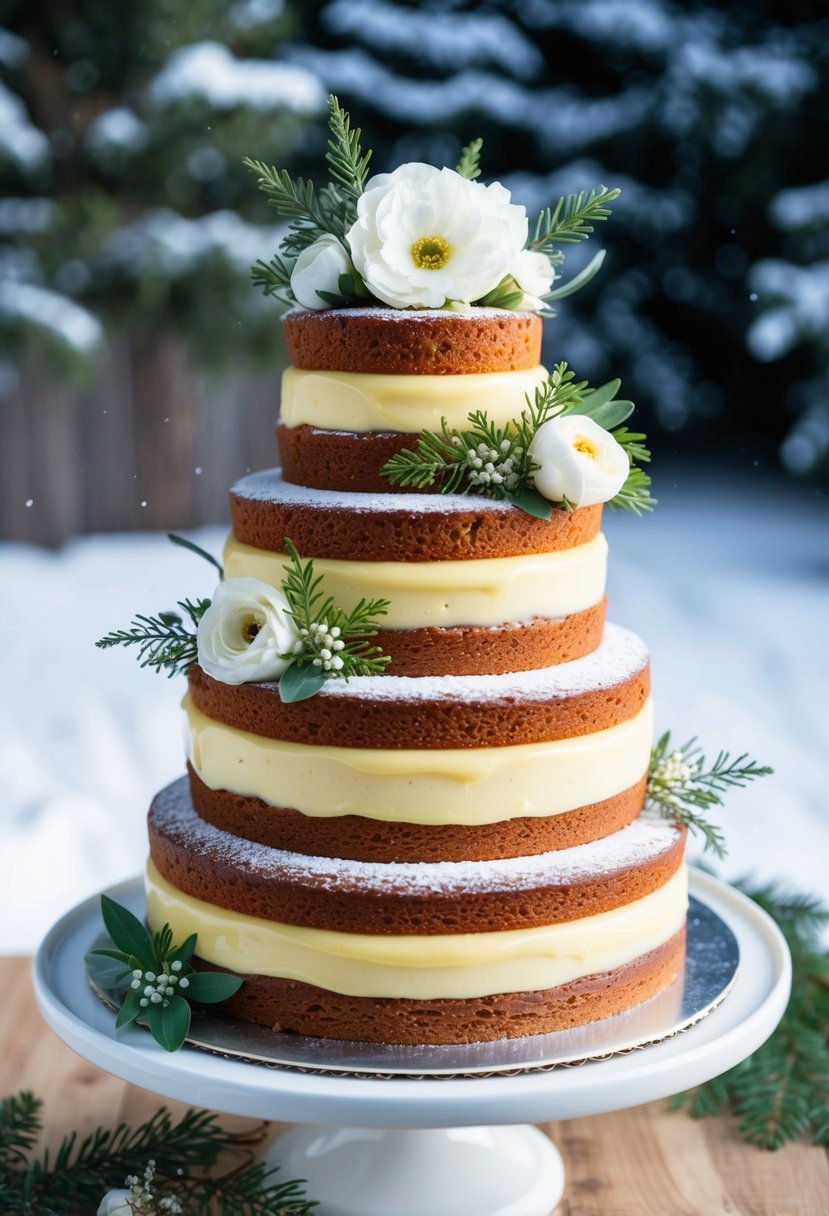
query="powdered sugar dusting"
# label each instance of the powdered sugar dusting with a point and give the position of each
(416, 314)
(620, 655)
(641, 842)
(269, 486)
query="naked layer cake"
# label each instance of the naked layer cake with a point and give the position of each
(452, 849)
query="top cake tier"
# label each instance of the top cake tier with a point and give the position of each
(364, 382)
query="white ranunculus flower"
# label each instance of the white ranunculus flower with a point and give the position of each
(579, 460)
(318, 268)
(425, 235)
(534, 274)
(245, 631)
(116, 1203)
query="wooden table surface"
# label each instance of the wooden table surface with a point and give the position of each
(647, 1161)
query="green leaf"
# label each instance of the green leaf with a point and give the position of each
(596, 397)
(578, 281)
(130, 1009)
(208, 987)
(185, 951)
(529, 500)
(299, 682)
(127, 932)
(609, 415)
(169, 1026)
(105, 970)
(469, 165)
(197, 549)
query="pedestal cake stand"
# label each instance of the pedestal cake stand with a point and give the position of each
(412, 1137)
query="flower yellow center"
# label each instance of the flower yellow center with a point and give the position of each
(582, 444)
(430, 252)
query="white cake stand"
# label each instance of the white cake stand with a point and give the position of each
(427, 1147)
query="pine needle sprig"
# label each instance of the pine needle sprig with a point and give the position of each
(273, 278)
(166, 642)
(572, 219)
(781, 1092)
(20, 1125)
(185, 1156)
(347, 162)
(294, 199)
(469, 164)
(682, 785)
(333, 643)
(495, 461)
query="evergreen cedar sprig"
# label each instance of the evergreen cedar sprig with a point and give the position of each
(683, 786)
(459, 459)
(166, 642)
(333, 641)
(185, 1154)
(332, 210)
(781, 1092)
(158, 976)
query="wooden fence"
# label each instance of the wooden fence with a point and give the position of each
(155, 442)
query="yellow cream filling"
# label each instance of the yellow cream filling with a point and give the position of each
(364, 401)
(484, 592)
(455, 785)
(427, 967)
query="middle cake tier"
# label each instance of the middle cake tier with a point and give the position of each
(475, 586)
(389, 768)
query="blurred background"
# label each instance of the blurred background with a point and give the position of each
(139, 372)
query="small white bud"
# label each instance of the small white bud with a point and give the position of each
(317, 663)
(184, 982)
(336, 631)
(337, 663)
(138, 973)
(155, 999)
(143, 1002)
(150, 975)
(135, 984)
(176, 966)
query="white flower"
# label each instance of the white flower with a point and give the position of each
(116, 1203)
(245, 631)
(318, 268)
(534, 274)
(425, 235)
(579, 461)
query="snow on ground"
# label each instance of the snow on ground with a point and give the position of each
(727, 582)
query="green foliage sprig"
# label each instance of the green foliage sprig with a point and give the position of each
(495, 460)
(571, 220)
(333, 642)
(182, 1152)
(682, 785)
(159, 978)
(781, 1092)
(469, 164)
(167, 641)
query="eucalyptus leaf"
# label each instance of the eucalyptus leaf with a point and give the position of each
(298, 683)
(211, 986)
(610, 415)
(529, 500)
(130, 1009)
(578, 281)
(184, 952)
(106, 971)
(127, 932)
(605, 392)
(169, 1025)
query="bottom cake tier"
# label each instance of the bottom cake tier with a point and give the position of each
(437, 952)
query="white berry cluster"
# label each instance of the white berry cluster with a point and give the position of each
(158, 988)
(140, 1198)
(673, 772)
(325, 641)
(494, 466)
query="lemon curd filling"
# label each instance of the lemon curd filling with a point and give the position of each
(368, 401)
(460, 965)
(479, 592)
(452, 785)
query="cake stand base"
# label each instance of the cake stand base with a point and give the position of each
(362, 1171)
(471, 1153)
